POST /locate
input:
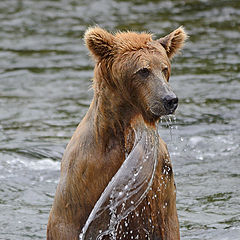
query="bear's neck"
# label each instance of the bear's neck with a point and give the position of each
(111, 117)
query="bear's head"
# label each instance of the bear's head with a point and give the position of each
(136, 69)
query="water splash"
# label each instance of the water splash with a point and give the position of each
(127, 188)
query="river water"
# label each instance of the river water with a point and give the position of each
(45, 90)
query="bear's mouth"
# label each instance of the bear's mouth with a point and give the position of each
(157, 110)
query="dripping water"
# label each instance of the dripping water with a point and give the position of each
(170, 121)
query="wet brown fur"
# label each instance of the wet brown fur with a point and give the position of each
(98, 146)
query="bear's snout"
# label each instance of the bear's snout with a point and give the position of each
(170, 103)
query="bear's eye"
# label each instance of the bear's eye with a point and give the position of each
(144, 72)
(165, 72)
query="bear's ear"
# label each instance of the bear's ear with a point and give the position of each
(174, 41)
(99, 42)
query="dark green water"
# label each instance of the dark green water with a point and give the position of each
(45, 91)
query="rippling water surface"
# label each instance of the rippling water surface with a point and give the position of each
(45, 90)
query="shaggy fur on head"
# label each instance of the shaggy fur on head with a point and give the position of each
(103, 44)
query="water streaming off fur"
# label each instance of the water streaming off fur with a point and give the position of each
(170, 122)
(127, 188)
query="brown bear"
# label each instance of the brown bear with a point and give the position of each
(131, 81)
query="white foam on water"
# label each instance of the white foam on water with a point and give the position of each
(42, 164)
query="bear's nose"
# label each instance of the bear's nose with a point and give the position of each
(170, 103)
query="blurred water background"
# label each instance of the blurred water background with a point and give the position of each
(45, 90)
